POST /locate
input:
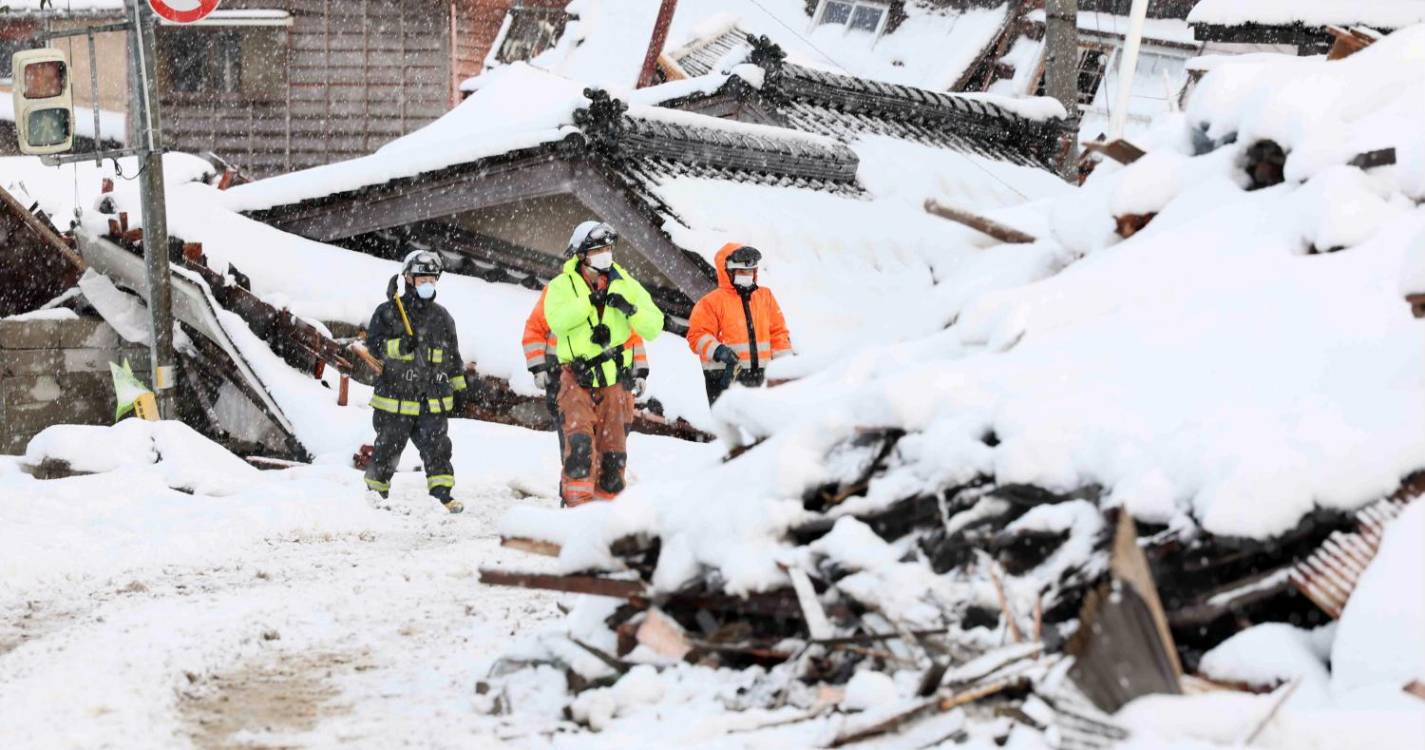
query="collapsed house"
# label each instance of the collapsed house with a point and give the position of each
(943, 532)
(680, 170)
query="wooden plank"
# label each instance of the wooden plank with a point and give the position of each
(1129, 564)
(533, 546)
(1118, 150)
(573, 584)
(1001, 232)
(1370, 159)
(817, 624)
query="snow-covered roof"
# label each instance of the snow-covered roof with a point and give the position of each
(521, 109)
(832, 191)
(933, 47)
(1096, 23)
(1381, 14)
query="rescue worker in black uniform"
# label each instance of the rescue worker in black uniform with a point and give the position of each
(422, 381)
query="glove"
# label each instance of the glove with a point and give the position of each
(617, 302)
(601, 336)
(598, 297)
(541, 379)
(640, 386)
(724, 354)
(459, 402)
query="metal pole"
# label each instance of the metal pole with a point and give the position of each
(94, 94)
(1061, 67)
(155, 216)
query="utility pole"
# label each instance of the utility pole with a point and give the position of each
(1061, 69)
(149, 141)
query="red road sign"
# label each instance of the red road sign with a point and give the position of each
(183, 11)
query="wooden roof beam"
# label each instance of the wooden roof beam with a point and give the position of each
(413, 201)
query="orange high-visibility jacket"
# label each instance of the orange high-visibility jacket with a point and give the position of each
(540, 344)
(720, 317)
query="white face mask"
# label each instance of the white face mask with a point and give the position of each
(601, 261)
(744, 278)
(426, 290)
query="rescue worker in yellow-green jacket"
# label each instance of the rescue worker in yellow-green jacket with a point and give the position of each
(422, 380)
(592, 308)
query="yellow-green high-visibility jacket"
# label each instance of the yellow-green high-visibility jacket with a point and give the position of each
(572, 316)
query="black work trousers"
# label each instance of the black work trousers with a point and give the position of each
(429, 433)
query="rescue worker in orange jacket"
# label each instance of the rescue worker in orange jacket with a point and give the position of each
(737, 328)
(541, 356)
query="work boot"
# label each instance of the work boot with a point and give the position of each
(451, 504)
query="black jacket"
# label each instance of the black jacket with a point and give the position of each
(426, 365)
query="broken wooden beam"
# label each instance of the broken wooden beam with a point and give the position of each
(1381, 157)
(37, 265)
(1416, 688)
(1417, 304)
(532, 546)
(1002, 232)
(1118, 150)
(571, 584)
(939, 703)
(1347, 42)
(1128, 225)
(779, 604)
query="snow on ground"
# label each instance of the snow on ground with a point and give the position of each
(180, 596)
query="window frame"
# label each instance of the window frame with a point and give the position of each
(1107, 55)
(548, 22)
(883, 7)
(255, 84)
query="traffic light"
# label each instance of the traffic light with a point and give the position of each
(44, 106)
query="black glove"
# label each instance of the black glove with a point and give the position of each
(617, 302)
(459, 402)
(724, 354)
(601, 335)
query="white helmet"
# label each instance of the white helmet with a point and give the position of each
(590, 235)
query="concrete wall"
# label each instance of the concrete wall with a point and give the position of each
(57, 372)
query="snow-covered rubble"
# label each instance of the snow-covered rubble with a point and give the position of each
(1235, 370)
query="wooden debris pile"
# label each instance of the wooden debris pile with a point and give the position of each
(979, 592)
(1097, 610)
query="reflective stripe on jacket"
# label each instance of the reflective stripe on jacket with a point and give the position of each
(541, 346)
(572, 315)
(721, 318)
(420, 373)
